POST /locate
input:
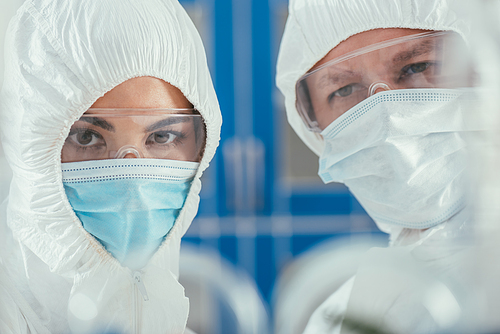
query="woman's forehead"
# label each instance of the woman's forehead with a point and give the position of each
(143, 92)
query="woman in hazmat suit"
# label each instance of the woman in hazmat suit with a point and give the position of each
(108, 120)
(374, 88)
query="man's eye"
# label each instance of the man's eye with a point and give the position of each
(342, 92)
(417, 68)
(345, 91)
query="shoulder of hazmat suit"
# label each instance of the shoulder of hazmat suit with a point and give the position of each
(61, 56)
(313, 28)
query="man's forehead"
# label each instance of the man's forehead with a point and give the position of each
(413, 49)
(364, 39)
(374, 61)
(333, 75)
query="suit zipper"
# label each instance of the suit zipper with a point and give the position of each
(139, 290)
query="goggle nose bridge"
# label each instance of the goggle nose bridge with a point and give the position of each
(379, 85)
(125, 150)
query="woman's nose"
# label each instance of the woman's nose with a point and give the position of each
(128, 152)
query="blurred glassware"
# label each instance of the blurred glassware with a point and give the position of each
(485, 159)
(312, 277)
(223, 299)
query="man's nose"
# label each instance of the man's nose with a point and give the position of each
(130, 156)
(378, 87)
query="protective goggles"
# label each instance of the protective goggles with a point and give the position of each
(426, 60)
(174, 134)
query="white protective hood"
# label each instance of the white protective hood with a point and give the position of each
(61, 56)
(314, 27)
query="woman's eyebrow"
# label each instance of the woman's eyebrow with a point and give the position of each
(100, 122)
(423, 48)
(169, 121)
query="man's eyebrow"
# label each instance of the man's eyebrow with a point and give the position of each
(425, 47)
(334, 78)
(169, 121)
(100, 122)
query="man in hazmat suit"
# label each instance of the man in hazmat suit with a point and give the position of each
(377, 89)
(108, 119)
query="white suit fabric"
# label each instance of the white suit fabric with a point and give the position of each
(313, 28)
(61, 56)
(393, 286)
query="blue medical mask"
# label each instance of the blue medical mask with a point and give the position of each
(128, 205)
(402, 155)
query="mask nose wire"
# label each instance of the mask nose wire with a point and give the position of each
(125, 150)
(378, 87)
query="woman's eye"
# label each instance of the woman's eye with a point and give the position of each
(86, 138)
(162, 137)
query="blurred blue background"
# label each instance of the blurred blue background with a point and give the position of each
(262, 203)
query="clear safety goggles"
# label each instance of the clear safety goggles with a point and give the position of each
(174, 134)
(425, 60)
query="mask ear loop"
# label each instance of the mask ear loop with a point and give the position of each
(127, 149)
(377, 87)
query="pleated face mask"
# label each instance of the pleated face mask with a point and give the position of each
(402, 155)
(128, 204)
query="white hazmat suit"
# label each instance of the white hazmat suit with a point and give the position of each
(313, 28)
(61, 56)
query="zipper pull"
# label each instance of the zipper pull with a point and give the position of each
(140, 285)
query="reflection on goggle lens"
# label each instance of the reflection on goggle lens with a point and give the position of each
(426, 60)
(155, 134)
